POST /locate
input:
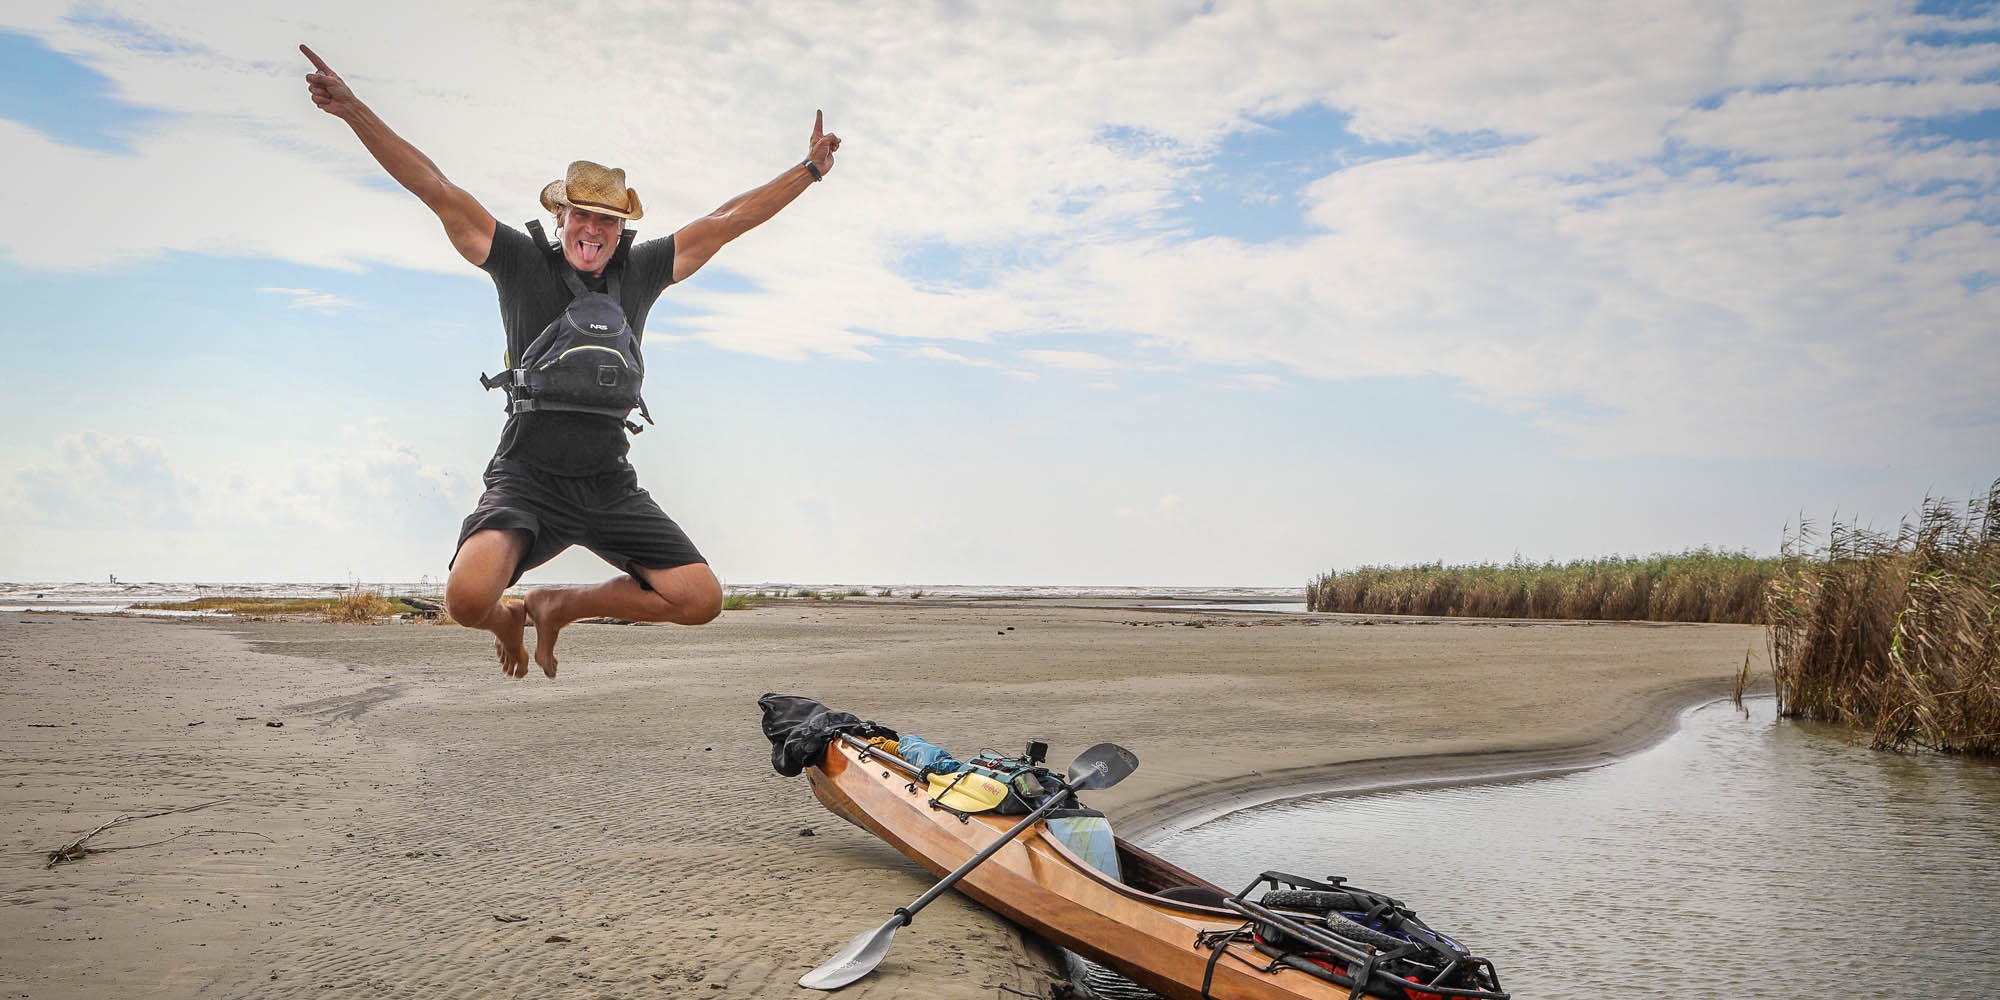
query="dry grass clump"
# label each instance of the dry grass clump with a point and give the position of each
(243, 605)
(1700, 585)
(1897, 633)
(358, 607)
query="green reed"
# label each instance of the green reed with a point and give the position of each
(1699, 585)
(1898, 633)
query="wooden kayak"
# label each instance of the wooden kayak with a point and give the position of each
(1193, 948)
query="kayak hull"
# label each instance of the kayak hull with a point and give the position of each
(1040, 884)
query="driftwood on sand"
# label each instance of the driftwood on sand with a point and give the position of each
(75, 851)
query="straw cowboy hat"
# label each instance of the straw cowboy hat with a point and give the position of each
(593, 187)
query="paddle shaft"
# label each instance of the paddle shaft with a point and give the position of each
(1101, 766)
(988, 851)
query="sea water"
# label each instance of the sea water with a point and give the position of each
(1747, 856)
(113, 595)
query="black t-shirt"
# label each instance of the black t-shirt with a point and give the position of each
(532, 295)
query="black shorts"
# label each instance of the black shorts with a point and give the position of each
(606, 513)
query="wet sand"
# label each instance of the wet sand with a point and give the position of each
(419, 826)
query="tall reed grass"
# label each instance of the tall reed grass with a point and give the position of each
(1699, 585)
(1897, 632)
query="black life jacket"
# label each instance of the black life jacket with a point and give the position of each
(587, 360)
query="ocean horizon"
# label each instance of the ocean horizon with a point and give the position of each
(114, 595)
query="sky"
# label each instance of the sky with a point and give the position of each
(1159, 294)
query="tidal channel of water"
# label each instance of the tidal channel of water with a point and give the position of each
(1744, 857)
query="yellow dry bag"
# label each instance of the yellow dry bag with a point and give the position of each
(968, 790)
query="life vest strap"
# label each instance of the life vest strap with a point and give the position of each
(527, 405)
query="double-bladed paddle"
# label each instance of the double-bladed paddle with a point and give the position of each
(1101, 766)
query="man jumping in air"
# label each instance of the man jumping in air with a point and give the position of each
(560, 476)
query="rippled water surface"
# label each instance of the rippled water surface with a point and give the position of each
(1745, 857)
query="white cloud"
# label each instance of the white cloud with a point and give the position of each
(311, 298)
(936, 353)
(371, 505)
(99, 482)
(371, 476)
(1074, 360)
(1695, 229)
(933, 352)
(1168, 508)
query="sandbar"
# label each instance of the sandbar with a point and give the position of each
(416, 825)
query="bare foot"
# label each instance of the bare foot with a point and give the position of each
(509, 640)
(550, 613)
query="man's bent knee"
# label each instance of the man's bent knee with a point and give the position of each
(701, 603)
(704, 610)
(468, 606)
(481, 572)
(692, 593)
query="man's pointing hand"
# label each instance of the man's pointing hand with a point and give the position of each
(328, 90)
(823, 144)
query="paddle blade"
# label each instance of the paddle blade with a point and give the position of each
(1102, 766)
(858, 959)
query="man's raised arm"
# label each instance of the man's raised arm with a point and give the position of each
(467, 222)
(697, 241)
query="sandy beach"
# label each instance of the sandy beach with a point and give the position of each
(383, 815)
